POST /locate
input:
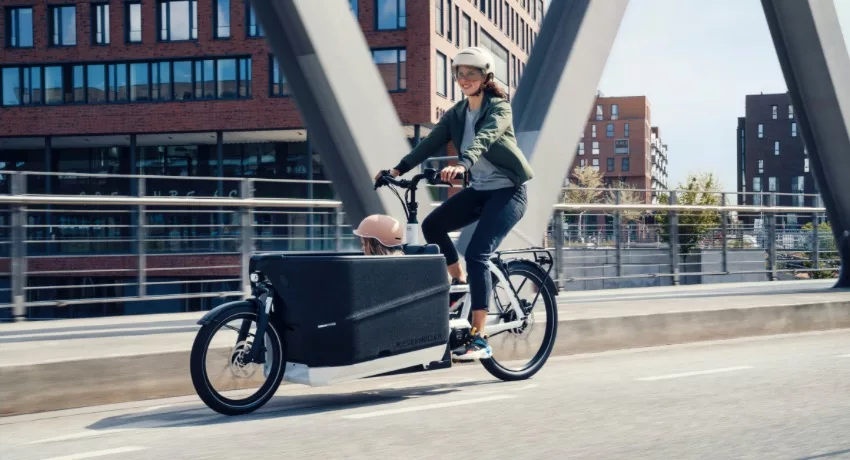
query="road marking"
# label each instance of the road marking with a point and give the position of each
(403, 410)
(83, 435)
(130, 427)
(99, 453)
(691, 374)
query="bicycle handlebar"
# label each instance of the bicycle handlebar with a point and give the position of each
(432, 176)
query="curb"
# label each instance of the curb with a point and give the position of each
(81, 383)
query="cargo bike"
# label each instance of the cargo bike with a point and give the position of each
(322, 318)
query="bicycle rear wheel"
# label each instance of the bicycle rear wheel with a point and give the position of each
(520, 353)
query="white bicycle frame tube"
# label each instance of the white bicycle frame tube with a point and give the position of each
(411, 234)
(493, 323)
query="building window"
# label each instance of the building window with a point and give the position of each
(161, 81)
(391, 14)
(254, 29)
(178, 20)
(279, 85)
(221, 19)
(761, 166)
(793, 129)
(19, 28)
(139, 82)
(595, 148)
(798, 186)
(392, 65)
(183, 81)
(610, 164)
(625, 164)
(790, 111)
(805, 165)
(771, 184)
(439, 25)
(761, 131)
(227, 86)
(621, 147)
(205, 79)
(441, 74)
(776, 148)
(53, 85)
(757, 190)
(609, 130)
(96, 83)
(581, 148)
(595, 164)
(626, 128)
(133, 22)
(599, 110)
(466, 32)
(501, 57)
(63, 27)
(615, 111)
(592, 130)
(11, 81)
(775, 112)
(582, 163)
(100, 23)
(117, 82)
(449, 30)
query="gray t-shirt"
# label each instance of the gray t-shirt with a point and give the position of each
(485, 176)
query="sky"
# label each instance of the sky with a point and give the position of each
(696, 61)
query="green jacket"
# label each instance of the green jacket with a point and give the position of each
(494, 139)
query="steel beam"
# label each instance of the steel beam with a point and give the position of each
(554, 98)
(814, 59)
(341, 97)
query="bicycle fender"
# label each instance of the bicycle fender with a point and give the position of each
(213, 315)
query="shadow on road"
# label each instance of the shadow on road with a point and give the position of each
(827, 455)
(284, 406)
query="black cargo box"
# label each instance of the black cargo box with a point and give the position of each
(346, 308)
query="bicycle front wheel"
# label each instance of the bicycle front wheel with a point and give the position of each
(520, 353)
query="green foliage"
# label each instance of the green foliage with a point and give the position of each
(700, 189)
(827, 253)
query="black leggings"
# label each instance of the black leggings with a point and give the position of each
(496, 211)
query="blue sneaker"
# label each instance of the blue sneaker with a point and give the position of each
(476, 349)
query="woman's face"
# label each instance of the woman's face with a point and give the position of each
(469, 79)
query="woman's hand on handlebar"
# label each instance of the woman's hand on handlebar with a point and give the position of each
(393, 172)
(449, 173)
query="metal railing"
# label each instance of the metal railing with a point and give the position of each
(90, 251)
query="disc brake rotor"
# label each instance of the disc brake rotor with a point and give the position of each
(237, 366)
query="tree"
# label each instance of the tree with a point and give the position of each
(587, 187)
(628, 195)
(699, 189)
(827, 251)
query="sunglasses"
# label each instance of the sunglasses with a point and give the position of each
(468, 75)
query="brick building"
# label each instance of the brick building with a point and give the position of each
(190, 88)
(619, 140)
(772, 157)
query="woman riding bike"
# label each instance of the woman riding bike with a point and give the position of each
(481, 130)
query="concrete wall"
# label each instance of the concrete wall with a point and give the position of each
(596, 263)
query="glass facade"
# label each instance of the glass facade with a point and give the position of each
(97, 83)
(392, 65)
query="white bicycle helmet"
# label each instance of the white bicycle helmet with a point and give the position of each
(477, 57)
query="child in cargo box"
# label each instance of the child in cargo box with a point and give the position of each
(380, 235)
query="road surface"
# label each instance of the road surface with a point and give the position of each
(779, 397)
